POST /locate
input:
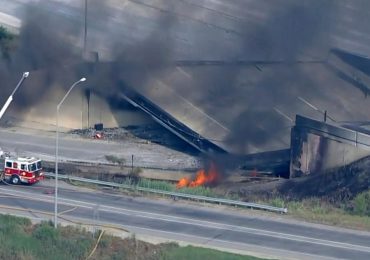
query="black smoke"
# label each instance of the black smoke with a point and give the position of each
(51, 43)
(298, 32)
(45, 46)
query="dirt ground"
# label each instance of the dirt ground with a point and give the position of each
(149, 133)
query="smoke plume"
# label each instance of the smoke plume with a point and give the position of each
(45, 47)
(291, 30)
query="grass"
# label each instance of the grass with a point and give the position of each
(21, 240)
(199, 191)
(318, 210)
(155, 184)
(195, 253)
(171, 187)
(353, 214)
(361, 204)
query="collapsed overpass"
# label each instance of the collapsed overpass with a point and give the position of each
(244, 70)
(257, 110)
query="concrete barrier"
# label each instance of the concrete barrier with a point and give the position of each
(318, 146)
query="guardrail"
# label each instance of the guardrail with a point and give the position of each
(173, 194)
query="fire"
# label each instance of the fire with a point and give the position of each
(184, 182)
(202, 177)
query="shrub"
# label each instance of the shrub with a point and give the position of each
(46, 233)
(114, 159)
(362, 204)
(134, 175)
(9, 224)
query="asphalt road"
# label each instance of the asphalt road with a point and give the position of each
(220, 227)
(72, 148)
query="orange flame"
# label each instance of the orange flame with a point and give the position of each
(184, 182)
(201, 178)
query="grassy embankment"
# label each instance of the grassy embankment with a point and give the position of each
(21, 240)
(353, 213)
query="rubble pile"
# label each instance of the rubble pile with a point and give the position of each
(114, 134)
(149, 133)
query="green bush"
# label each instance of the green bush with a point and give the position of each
(46, 233)
(362, 204)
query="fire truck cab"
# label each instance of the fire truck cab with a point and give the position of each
(22, 170)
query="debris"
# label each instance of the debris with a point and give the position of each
(111, 134)
(98, 136)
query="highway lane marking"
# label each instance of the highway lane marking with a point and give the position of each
(49, 213)
(196, 222)
(207, 240)
(120, 227)
(202, 223)
(67, 211)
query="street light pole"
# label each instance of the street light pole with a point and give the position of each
(10, 98)
(57, 150)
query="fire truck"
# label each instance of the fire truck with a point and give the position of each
(22, 170)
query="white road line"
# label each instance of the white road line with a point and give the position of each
(192, 221)
(192, 237)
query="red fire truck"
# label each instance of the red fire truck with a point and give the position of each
(22, 170)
